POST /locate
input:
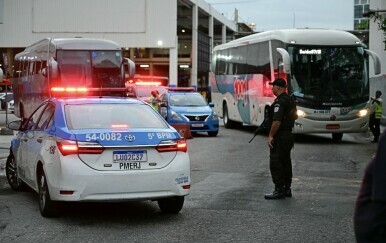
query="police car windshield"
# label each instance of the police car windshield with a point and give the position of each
(107, 116)
(193, 100)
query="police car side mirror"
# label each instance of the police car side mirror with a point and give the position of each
(15, 125)
(211, 105)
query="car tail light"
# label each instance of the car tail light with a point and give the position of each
(67, 147)
(173, 145)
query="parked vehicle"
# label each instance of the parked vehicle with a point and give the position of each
(66, 67)
(4, 99)
(183, 105)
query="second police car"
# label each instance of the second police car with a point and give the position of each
(183, 105)
(99, 149)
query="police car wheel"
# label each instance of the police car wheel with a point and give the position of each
(12, 174)
(48, 208)
(171, 205)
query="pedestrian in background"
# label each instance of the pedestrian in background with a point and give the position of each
(281, 120)
(370, 209)
(376, 115)
(154, 99)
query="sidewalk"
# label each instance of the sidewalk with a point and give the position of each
(5, 143)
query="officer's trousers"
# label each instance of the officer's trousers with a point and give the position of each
(375, 126)
(280, 159)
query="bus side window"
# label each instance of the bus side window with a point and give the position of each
(31, 68)
(53, 68)
(44, 68)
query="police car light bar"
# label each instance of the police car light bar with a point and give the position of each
(84, 89)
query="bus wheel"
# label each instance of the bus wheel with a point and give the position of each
(337, 137)
(227, 122)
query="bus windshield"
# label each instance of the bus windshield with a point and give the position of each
(89, 68)
(329, 73)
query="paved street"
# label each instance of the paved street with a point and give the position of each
(229, 179)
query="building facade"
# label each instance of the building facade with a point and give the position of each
(361, 7)
(172, 38)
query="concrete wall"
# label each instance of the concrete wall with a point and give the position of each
(131, 23)
(377, 45)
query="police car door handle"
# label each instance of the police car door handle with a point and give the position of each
(39, 140)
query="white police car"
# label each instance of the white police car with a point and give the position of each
(99, 149)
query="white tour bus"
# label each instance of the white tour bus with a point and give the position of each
(326, 71)
(67, 67)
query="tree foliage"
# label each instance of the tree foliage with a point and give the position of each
(381, 21)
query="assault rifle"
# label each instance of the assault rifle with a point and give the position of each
(259, 130)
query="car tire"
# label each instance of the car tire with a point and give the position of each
(12, 175)
(227, 122)
(171, 205)
(212, 134)
(337, 137)
(48, 208)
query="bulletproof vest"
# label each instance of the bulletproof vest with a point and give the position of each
(288, 121)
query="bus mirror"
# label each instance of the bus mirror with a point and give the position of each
(286, 60)
(377, 62)
(130, 71)
(54, 68)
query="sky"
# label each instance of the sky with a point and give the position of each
(283, 14)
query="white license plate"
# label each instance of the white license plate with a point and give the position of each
(129, 156)
(197, 125)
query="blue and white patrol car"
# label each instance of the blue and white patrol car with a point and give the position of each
(182, 105)
(99, 149)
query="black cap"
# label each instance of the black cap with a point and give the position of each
(279, 82)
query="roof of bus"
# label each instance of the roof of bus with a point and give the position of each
(73, 44)
(297, 36)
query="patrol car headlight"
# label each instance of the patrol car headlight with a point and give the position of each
(176, 117)
(363, 112)
(214, 116)
(301, 113)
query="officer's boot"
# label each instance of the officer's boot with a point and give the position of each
(278, 193)
(287, 191)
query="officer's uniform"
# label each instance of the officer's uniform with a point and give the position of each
(280, 155)
(370, 208)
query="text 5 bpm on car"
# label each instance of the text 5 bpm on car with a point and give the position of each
(99, 149)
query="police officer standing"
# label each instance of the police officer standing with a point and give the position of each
(376, 115)
(282, 117)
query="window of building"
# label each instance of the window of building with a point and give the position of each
(1, 11)
(358, 11)
(141, 53)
